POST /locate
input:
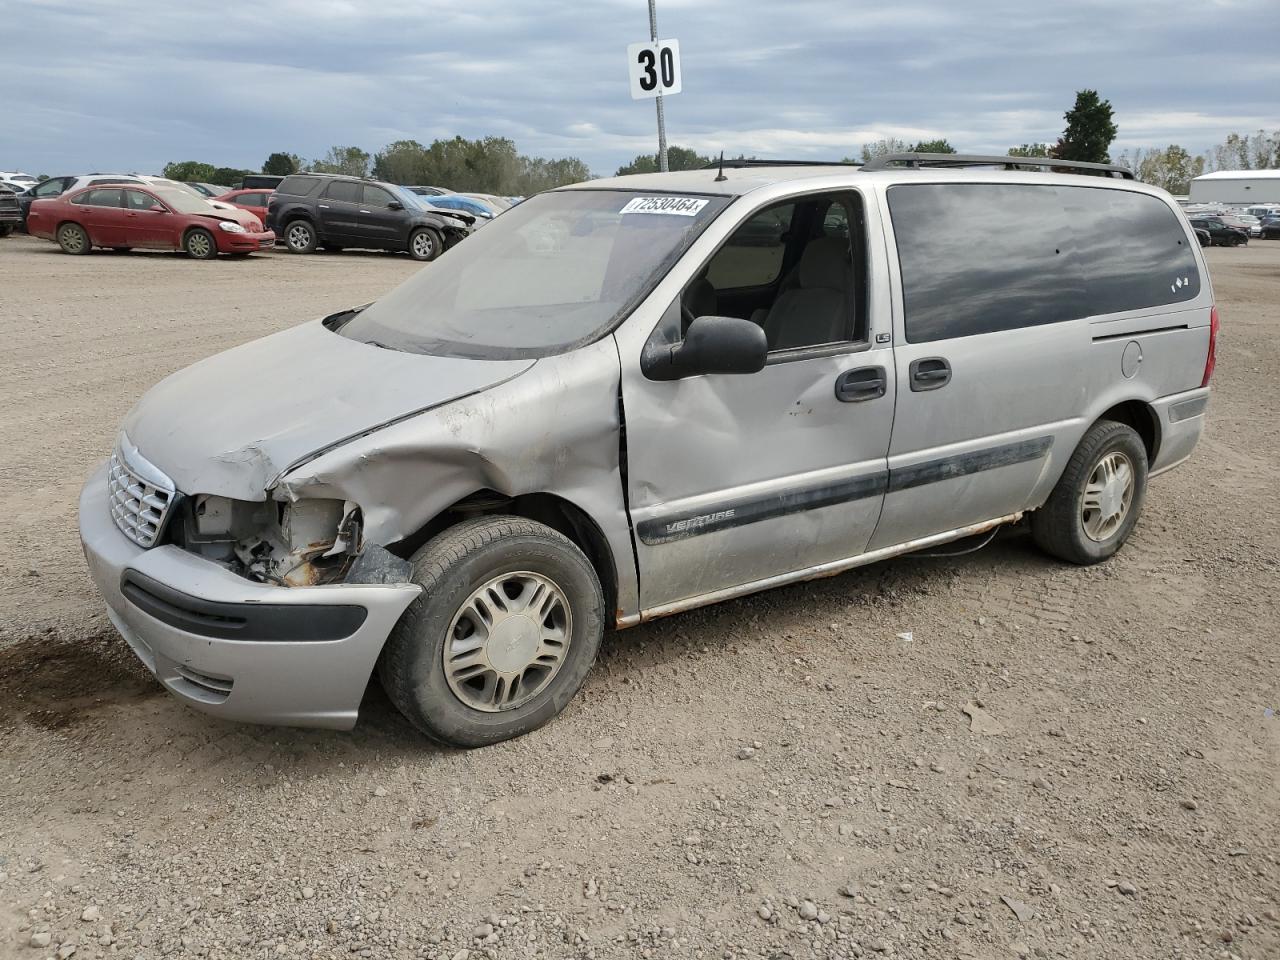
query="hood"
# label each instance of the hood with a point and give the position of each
(232, 424)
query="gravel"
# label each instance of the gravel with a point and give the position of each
(133, 827)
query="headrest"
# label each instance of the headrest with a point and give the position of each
(825, 263)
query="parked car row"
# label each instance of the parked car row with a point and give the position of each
(307, 211)
(1257, 221)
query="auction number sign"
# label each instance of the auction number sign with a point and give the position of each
(655, 69)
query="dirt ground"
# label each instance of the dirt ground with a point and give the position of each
(778, 777)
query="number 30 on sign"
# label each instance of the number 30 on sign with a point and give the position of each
(655, 69)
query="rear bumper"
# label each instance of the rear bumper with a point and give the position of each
(1181, 423)
(245, 242)
(177, 624)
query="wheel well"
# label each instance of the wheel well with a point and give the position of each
(1143, 419)
(546, 508)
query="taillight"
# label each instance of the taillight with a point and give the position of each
(1212, 358)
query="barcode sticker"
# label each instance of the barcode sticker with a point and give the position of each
(672, 206)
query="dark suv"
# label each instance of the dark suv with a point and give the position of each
(1221, 234)
(310, 210)
(10, 215)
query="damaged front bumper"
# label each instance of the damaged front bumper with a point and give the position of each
(295, 656)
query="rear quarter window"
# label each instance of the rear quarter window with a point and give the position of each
(980, 258)
(299, 186)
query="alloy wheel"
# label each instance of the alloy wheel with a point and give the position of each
(1107, 496)
(507, 641)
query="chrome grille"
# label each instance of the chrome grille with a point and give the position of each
(139, 495)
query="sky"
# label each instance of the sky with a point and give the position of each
(108, 85)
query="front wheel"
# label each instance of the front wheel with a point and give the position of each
(200, 244)
(1098, 498)
(425, 244)
(501, 638)
(73, 239)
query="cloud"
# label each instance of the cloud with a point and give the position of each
(94, 87)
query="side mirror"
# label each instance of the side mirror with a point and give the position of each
(711, 345)
(395, 205)
(156, 208)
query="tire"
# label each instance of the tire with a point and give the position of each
(6, 229)
(425, 244)
(73, 239)
(1235, 241)
(489, 557)
(1064, 528)
(300, 237)
(200, 244)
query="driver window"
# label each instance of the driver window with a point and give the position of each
(796, 268)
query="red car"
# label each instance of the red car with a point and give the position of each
(124, 216)
(250, 201)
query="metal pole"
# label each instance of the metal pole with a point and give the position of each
(662, 119)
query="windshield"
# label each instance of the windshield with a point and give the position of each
(551, 273)
(406, 196)
(181, 200)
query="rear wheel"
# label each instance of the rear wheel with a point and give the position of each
(73, 239)
(1098, 498)
(502, 636)
(200, 245)
(300, 237)
(425, 244)
(6, 229)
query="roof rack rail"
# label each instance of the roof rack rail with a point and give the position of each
(742, 162)
(916, 160)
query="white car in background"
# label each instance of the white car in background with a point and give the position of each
(1248, 220)
(56, 186)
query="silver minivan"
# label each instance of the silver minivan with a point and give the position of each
(632, 397)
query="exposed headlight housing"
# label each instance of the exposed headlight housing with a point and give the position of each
(230, 227)
(291, 544)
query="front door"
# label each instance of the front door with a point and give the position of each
(380, 225)
(145, 227)
(737, 480)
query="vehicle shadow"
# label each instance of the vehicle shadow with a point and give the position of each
(65, 683)
(670, 639)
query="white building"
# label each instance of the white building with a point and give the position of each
(1237, 187)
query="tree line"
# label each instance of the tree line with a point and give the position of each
(494, 165)
(484, 165)
(1088, 135)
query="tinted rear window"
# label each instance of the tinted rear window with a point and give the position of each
(299, 186)
(344, 191)
(977, 258)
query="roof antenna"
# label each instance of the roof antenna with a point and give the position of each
(720, 177)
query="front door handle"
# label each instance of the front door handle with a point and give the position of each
(929, 373)
(864, 383)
